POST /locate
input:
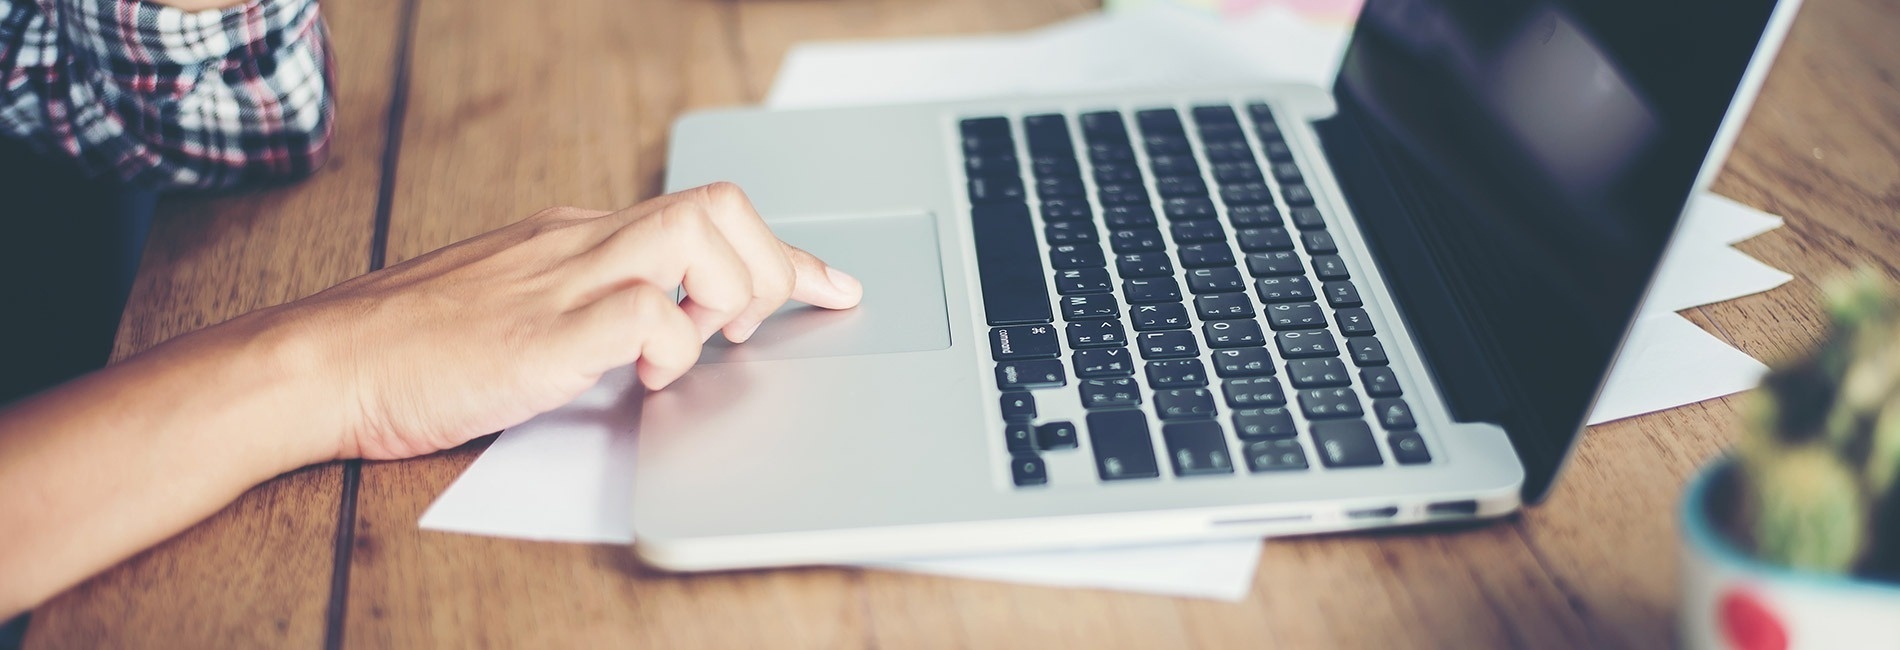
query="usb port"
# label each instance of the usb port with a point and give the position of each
(1466, 507)
(1387, 512)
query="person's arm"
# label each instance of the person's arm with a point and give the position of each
(419, 357)
(171, 94)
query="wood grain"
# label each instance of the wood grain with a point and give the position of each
(256, 574)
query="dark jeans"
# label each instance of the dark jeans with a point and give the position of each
(69, 246)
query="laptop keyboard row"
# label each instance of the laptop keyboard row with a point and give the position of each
(1193, 266)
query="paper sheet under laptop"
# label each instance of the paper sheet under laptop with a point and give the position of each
(565, 476)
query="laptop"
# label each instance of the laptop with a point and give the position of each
(1200, 313)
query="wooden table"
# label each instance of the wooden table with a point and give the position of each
(456, 119)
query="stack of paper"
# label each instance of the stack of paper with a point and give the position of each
(566, 475)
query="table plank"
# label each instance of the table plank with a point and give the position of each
(256, 574)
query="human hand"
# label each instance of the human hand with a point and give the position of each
(486, 333)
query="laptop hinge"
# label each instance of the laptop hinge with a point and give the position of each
(1376, 192)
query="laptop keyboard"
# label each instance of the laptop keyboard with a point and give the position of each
(1180, 290)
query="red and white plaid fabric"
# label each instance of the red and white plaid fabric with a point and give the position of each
(166, 98)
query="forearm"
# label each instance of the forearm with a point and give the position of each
(96, 470)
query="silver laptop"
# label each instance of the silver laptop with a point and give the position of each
(1200, 313)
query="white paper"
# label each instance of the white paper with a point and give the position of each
(567, 475)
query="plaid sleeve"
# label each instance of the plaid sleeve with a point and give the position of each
(168, 98)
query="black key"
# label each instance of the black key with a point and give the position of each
(1205, 116)
(1106, 362)
(1287, 172)
(1174, 165)
(1233, 334)
(1198, 256)
(1330, 403)
(1188, 209)
(996, 189)
(1223, 306)
(1318, 373)
(1268, 129)
(1096, 334)
(1027, 470)
(1234, 171)
(1243, 216)
(1243, 362)
(1055, 435)
(1147, 264)
(1253, 392)
(1068, 232)
(1184, 403)
(1301, 345)
(1024, 342)
(1341, 293)
(995, 164)
(1158, 120)
(1197, 448)
(1223, 133)
(1176, 373)
(1095, 305)
(1103, 124)
(1275, 455)
(1296, 194)
(1366, 351)
(1071, 281)
(1110, 393)
(1260, 240)
(1224, 279)
(1009, 264)
(1059, 164)
(1169, 344)
(1346, 443)
(1200, 230)
(1077, 256)
(1161, 145)
(1354, 322)
(1408, 447)
(1055, 187)
(1120, 194)
(1288, 289)
(1380, 382)
(1296, 316)
(1275, 264)
(1034, 373)
(1308, 218)
(1019, 436)
(1246, 194)
(985, 127)
(1150, 318)
(1319, 242)
(1110, 153)
(1330, 267)
(1136, 240)
(1270, 422)
(1146, 291)
(1123, 447)
(1048, 131)
(1019, 405)
(1393, 413)
(1227, 150)
(1123, 172)
(1262, 114)
(1128, 216)
(1277, 150)
(988, 146)
(1054, 210)
(1173, 187)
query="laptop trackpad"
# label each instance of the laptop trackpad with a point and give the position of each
(895, 256)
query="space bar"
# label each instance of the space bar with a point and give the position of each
(1010, 265)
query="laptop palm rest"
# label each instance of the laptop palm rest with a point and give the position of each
(895, 256)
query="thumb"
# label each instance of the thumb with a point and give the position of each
(817, 283)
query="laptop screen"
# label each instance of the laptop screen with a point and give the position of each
(1518, 166)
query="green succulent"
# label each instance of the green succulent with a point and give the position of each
(1821, 455)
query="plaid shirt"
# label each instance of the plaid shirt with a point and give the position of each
(167, 98)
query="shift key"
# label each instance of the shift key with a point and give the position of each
(1123, 447)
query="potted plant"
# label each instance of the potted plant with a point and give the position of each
(1793, 541)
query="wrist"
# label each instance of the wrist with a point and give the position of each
(292, 362)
